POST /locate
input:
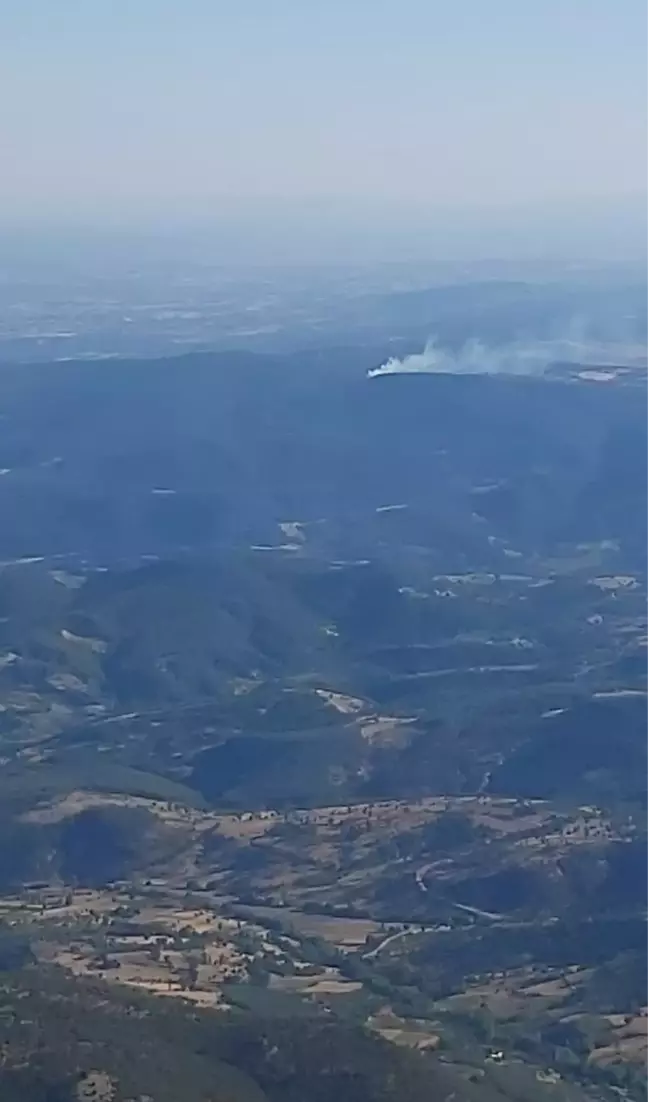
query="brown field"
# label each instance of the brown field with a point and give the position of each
(338, 931)
(80, 800)
(346, 705)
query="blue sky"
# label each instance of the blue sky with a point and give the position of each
(152, 105)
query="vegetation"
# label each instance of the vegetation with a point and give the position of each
(327, 780)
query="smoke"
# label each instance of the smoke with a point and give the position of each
(513, 358)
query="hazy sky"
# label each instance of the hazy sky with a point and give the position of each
(145, 105)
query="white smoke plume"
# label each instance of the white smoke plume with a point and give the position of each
(514, 358)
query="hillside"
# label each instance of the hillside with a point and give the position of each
(322, 701)
(125, 458)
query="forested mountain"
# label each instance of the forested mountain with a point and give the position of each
(322, 726)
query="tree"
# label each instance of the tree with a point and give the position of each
(192, 973)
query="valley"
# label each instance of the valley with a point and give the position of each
(355, 739)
